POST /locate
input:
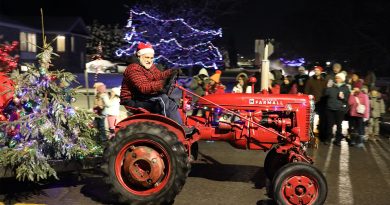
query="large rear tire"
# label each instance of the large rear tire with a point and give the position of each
(299, 183)
(273, 162)
(145, 164)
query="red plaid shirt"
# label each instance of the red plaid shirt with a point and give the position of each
(141, 82)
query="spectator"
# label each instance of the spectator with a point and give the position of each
(336, 107)
(242, 84)
(315, 86)
(288, 86)
(100, 90)
(273, 87)
(199, 83)
(336, 68)
(355, 81)
(370, 79)
(359, 112)
(377, 109)
(301, 79)
(215, 86)
(111, 109)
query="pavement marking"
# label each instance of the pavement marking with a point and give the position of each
(380, 163)
(345, 185)
(26, 204)
(328, 158)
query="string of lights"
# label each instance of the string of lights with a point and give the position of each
(176, 43)
(296, 62)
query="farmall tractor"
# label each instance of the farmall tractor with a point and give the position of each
(148, 160)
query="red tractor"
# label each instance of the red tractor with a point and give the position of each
(148, 160)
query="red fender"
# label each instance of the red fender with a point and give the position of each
(155, 118)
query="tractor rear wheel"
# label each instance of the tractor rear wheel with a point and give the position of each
(273, 162)
(299, 183)
(145, 164)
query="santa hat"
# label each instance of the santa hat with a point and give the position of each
(319, 68)
(203, 71)
(216, 76)
(341, 76)
(144, 48)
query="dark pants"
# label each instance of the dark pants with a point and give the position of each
(100, 125)
(320, 110)
(334, 117)
(160, 104)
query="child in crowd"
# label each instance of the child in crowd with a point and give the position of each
(98, 108)
(377, 109)
(215, 86)
(111, 109)
(242, 84)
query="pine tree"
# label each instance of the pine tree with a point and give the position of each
(109, 36)
(41, 123)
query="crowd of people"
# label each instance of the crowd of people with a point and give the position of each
(339, 96)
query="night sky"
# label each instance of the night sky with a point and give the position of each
(320, 31)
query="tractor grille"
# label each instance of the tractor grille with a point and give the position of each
(310, 117)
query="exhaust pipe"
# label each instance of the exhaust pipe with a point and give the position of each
(265, 70)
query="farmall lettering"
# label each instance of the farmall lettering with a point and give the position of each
(253, 101)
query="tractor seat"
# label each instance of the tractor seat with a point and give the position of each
(136, 110)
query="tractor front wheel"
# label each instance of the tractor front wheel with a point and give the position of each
(146, 164)
(299, 183)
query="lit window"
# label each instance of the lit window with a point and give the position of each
(23, 41)
(72, 43)
(32, 42)
(60, 43)
(28, 42)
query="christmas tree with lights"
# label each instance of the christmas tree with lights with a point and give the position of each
(176, 42)
(40, 124)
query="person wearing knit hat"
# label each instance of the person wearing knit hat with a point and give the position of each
(242, 84)
(301, 79)
(215, 86)
(199, 83)
(337, 97)
(315, 86)
(341, 76)
(216, 77)
(145, 86)
(273, 87)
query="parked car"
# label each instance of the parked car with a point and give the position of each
(101, 66)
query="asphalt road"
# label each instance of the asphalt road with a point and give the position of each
(224, 175)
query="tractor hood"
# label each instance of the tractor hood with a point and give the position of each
(254, 101)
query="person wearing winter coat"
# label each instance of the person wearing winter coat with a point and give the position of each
(315, 86)
(215, 86)
(273, 87)
(336, 106)
(111, 108)
(199, 83)
(288, 87)
(377, 109)
(301, 79)
(98, 108)
(242, 84)
(359, 111)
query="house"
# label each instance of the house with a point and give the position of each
(68, 37)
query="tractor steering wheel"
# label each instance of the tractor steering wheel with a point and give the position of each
(170, 85)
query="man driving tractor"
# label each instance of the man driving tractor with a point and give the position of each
(145, 86)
